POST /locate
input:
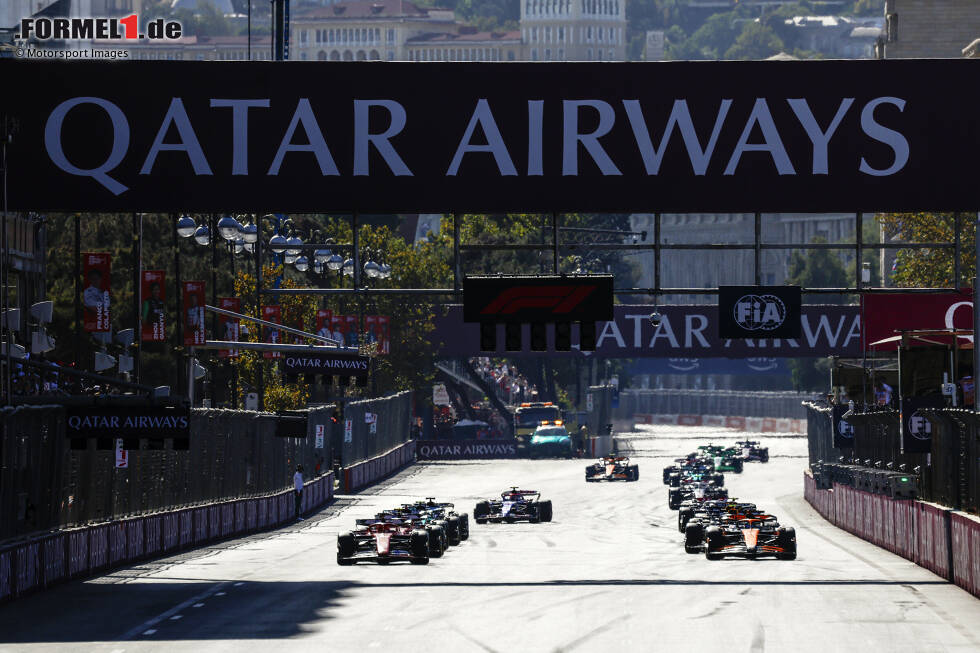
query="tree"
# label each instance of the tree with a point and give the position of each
(817, 268)
(755, 42)
(930, 268)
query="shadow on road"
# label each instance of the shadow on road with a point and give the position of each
(93, 612)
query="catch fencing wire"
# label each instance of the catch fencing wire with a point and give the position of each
(949, 475)
(393, 415)
(44, 484)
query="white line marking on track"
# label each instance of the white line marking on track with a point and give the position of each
(176, 617)
(239, 584)
(149, 623)
(198, 605)
(219, 593)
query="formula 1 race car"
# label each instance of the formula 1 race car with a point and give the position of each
(457, 524)
(384, 542)
(612, 468)
(514, 505)
(726, 459)
(694, 492)
(752, 452)
(753, 537)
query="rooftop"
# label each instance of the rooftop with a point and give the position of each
(465, 34)
(372, 9)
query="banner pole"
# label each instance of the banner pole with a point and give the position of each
(976, 319)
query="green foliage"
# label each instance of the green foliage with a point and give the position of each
(817, 268)
(868, 8)
(930, 267)
(755, 42)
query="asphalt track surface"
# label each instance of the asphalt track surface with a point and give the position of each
(609, 573)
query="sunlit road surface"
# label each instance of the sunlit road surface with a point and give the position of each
(609, 573)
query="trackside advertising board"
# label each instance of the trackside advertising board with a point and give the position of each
(463, 449)
(815, 136)
(684, 332)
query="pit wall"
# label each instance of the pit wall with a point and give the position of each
(943, 541)
(750, 424)
(368, 472)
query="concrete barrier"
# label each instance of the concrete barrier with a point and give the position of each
(941, 540)
(49, 559)
(737, 422)
(374, 469)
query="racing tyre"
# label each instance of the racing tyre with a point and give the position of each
(738, 465)
(420, 548)
(787, 540)
(341, 560)
(712, 543)
(673, 501)
(544, 510)
(452, 531)
(764, 456)
(481, 512)
(683, 515)
(720, 480)
(675, 480)
(667, 473)
(436, 548)
(693, 537)
(444, 533)
(633, 472)
(345, 545)
(464, 526)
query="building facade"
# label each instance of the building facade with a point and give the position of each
(736, 266)
(929, 28)
(574, 30)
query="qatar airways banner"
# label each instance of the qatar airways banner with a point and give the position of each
(886, 315)
(685, 332)
(811, 136)
(463, 449)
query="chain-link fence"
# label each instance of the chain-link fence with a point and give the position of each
(372, 427)
(711, 402)
(948, 475)
(44, 484)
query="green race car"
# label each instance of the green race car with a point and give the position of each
(726, 459)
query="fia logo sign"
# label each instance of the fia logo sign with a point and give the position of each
(759, 312)
(845, 429)
(920, 427)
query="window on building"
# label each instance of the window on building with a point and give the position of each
(561, 54)
(599, 54)
(590, 54)
(534, 35)
(561, 34)
(534, 54)
(611, 57)
(588, 33)
(547, 54)
(391, 56)
(318, 36)
(600, 35)
(391, 36)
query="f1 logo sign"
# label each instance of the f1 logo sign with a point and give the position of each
(541, 299)
(560, 299)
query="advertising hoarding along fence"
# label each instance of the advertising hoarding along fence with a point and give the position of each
(194, 333)
(466, 449)
(818, 136)
(684, 332)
